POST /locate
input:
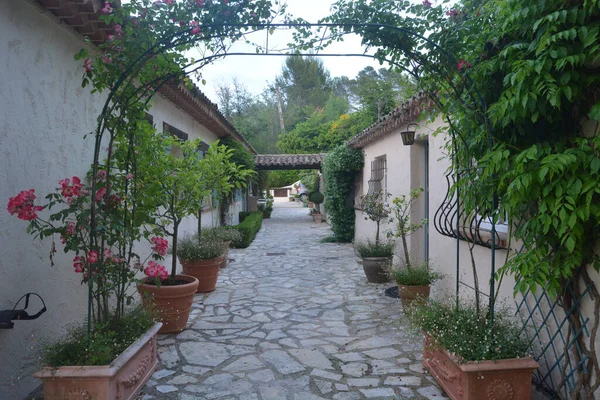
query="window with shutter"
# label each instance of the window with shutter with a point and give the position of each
(378, 181)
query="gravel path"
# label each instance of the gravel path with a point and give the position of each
(292, 318)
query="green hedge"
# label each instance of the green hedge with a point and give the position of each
(243, 215)
(249, 226)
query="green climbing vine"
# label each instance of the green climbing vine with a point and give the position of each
(340, 169)
(518, 82)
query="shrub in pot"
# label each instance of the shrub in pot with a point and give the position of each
(266, 209)
(376, 255)
(225, 234)
(470, 357)
(202, 259)
(415, 282)
(317, 198)
(376, 259)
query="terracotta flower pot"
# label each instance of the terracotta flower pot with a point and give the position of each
(206, 271)
(500, 379)
(123, 379)
(171, 303)
(375, 269)
(409, 293)
(318, 218)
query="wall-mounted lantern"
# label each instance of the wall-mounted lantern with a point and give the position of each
(8, 316)
(408, 136)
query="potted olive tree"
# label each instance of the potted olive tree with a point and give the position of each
(180, 185)
(414, 280)
(376, 255)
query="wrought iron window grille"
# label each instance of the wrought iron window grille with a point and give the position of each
(453, 221)
(378, 183)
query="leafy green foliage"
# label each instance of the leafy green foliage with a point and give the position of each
(375, 206)
(420, 275)
(316, 197)
(518, 116)
(249, 227)
(222, 233)
(370, 249)
(340, 169)
(106, 342)
(379, 92)
(192, 248)
(402, 207)
(467, 333)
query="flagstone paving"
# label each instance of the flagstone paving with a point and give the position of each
(292, 318)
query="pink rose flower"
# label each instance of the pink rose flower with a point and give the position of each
(107, 253)
(100, 193)
(160, 245)
(129, 176)
(107, 8)
(463, 64)
(427, 3)
(151, 270)
(92, 256)
(71, 228)
(118, 30)
(162, 273)
(22, 205)
(78, 264)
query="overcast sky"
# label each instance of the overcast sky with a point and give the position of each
(255, 72)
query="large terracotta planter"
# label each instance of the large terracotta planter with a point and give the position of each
(317, 217)
(172, 304)
(206, 271)
(376, 269)
(495, 380)
(122, 380)
(409, 293)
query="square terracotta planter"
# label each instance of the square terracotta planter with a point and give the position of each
(486, 380)
(122, 380)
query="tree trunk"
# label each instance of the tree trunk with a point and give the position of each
(174, 260)
(406, 257)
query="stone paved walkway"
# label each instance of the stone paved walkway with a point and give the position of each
(292, 318)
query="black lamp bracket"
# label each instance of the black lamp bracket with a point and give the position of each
(7, 316)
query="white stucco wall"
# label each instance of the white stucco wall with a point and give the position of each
(44, 114)
(405, 166)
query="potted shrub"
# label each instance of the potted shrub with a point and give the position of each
(468, 356)
(376, 259)
(376, 256)
(225, 234)
(413, 280)
(266, 209)
(202, 259)
(317, 198)
(97, 361)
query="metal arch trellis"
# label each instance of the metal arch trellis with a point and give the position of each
(127, 78)
(450, 219)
